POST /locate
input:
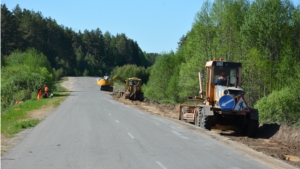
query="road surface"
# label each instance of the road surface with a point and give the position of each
(90, 130)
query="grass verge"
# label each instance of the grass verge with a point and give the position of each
(15, 118)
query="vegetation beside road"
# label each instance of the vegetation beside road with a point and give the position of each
(15, 118)
(22, 74)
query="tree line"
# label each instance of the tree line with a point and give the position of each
(264, 35)
(70, 53)
(36, 50)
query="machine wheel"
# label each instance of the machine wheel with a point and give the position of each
(184, 110)
(252, 128)
(197, 117)
(205, 121)
(141, 97)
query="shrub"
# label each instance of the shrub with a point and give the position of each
(281, 107)
(22, 75)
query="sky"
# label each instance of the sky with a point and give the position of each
(156, 25)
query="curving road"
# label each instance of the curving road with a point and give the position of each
(90, 130)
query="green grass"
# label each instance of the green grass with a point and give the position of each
(14, 119)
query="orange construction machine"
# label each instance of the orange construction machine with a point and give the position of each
(223, 102)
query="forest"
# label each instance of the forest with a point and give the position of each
(36, 50)
(264, 35)
(87, 53)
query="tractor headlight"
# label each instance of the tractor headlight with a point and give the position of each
(226, 92)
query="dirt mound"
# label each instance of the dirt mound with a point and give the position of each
(280, 133)
(281, 142)
(287, 134)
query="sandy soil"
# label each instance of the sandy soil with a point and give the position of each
(281, 142)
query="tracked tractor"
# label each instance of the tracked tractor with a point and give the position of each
(222, 104)
(133, 89)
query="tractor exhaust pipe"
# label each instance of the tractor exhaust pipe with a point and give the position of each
(200, 83)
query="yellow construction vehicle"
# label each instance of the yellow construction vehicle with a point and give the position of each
(223, 103)
(133, 89)
(106, 83)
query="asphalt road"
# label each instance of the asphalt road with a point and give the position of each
(90, 130)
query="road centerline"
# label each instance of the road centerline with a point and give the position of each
(130, 135)
(160, 164)
(178, 134)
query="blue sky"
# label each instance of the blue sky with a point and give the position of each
(155, 25)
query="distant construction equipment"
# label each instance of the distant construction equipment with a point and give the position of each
(107, 84)
(132, 87)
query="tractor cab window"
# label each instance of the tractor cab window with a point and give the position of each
(137, 83)
(221, 73)
(133, 82)
(130, 82)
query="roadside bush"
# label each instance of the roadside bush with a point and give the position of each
(59, 73)
(22, 75)
(163, 79)
(85, 72)
(281, 107)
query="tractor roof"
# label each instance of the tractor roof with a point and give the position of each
(134, 78)
(221, 63)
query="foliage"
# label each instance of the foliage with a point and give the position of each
(131, 70)
(281, 107)
(188, 80)
(59, 73)
(159, 85)
(87, 53)
(22, 75)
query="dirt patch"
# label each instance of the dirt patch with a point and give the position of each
(68, 83)
(281, 142)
